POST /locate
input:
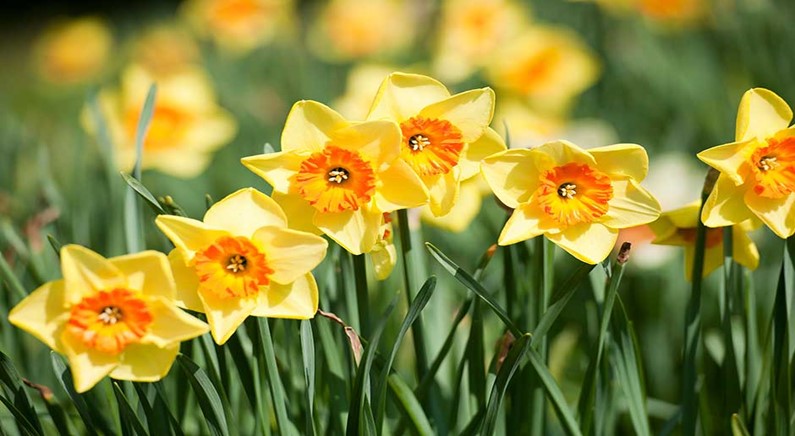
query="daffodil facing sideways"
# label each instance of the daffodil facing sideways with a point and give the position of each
(242, 261)
(338, 177)
(114, 316)
(443, 137)
(678, 227)
(757, 171)
(578, 199)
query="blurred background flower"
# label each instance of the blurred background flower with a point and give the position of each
(73, 51)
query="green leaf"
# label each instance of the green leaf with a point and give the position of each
(555, 395)
(159, 418)
(408, 405)
(12, 383)
(144, 193)
(208, 398)
(133, 228)
(565, 291)
(25, 425)
(126, 412)
(629, 368)
(738, 428)
(308, 357)
(512, 362)
(11, 279)
(274, 381)
(246, 374)
(55, 410)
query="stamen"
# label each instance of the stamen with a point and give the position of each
(110, 315)
(418, 142)
(767, 163)
(567, 190)
(237, 263)
(338, 175)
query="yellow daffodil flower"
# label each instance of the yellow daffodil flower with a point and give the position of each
(338, 177)
(114, 316)
(383, 254)
(757, 171)
(360, 87)
(577, 198)
(74, 51)
(187, 124)
(242, 261)
(166, 49)
(443, 137)
(461, 215)
(678, 227)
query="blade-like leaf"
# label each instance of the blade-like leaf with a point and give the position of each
(308, 357)
(126, 412)
(629, 369)
(208, 398)
(12, 384)
(144, 193)
(555, 395)
(512, 362)
(408, 405)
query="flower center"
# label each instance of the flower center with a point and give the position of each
(773, 168)
(109, 320)
(335, 180)
(574, 193)
(433, 146)
(232, 267)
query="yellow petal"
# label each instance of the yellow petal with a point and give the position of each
(527, 221)
(355, 230)
(401, 188)
(188, 234)
(686, 217)
(630, 206)
(88, 365)
(187, 282)
(298, 211)
(776, 213)
(309, 126)
(277, 169)
(86, 272)
(728, 159)
(402, 96)
(513, 174)
(588, 242)
(148, 272)
(296, 300)
(145, 362)
(488, 144)
(627, 160)
(469, 111)
(225, 314)
(443, 191)
(290, 253)
(463, 212)
(563, 152)
(761, 114)
(744, 250)
(171, 325)
(384, 258)
(713, 259)
(243, 212)
(725, 205)
(42, 313)
(377, 141)
(664, 232)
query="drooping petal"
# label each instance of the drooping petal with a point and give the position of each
(298, 211)
(145, 362)
(713, 259)
(225, 314)
(464, 211)
(401, 188)
(776, 213)
(355, 230)
(728, 159)
(761, 114)
(469, 111)
(187, 282)
(588, 242)
(527, 221)
(88, 365)
(171, 325)
(378, 141)
(488, 144)
(42, 313)
(277, 169)
(514, 174)
(290, 253)
(86, 272)
(665, 232)
(686, 217)
(148, 272)
(623, 160)
(630, 206)
(402, 96)
(188, 234)
(443, 191)
(296, 300)
(564, 152)
(725, 205)
(309, 126)
(744, 250)
(384, 259)
(244, 211)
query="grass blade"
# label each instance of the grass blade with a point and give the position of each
(409, 405)
(143, 192)
(308, 357)
(23, 423)
(133, 227)
(629, 369)
(512, 362)
(208, 398)
(126, 412)
(554, 394)
(274, 381)
(159, 419)
(738, 428)
(55, 410)
(564, 293)
(12, 384)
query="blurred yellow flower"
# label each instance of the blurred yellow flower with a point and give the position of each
(165, 49)
(678, 227)
(663, 11)
(577, 198)
(464, 211)
(112, 316)
(240, 25)
(360, 87)
(242, 261)
(187, 124)
(548, 65)
(354, 29)
(470, 31)
(337, 176)
(383, 254)
(444, 137)
(757, 171)
(73, 51)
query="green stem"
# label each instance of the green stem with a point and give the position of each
(362, 295)
(544, 252)
(731, 384)
(417, 330)
(275, 383)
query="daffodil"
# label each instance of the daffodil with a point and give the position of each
(461, 215)
(73, 51)
(383, 254)
(678, 227)
(757, 171)
(443, 137)
(578, 199)
(114, 316)
(242, 261)
(166, 49)
(187, 123)
(338, 177)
